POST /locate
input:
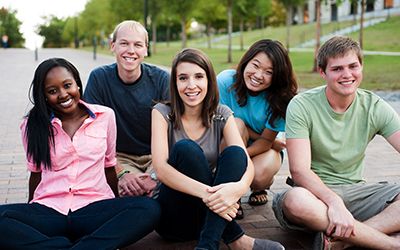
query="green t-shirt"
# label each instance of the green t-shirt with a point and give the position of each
(338, 141)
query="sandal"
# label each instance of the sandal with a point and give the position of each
(267, 244)
(239, 214)
(324, 242)
(254, 198)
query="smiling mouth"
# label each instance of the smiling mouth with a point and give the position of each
(129, 59)
(67, 103)
(255, 82)
(347, 82)
(192, 94)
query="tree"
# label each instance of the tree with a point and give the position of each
(229, 31)
(243, 8)
(52, 30)
(10, 26)
(263, 9)
(289, 4)
(317, 36)
(210, 13)
(183, 9)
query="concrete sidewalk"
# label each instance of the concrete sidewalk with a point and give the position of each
(17, 67)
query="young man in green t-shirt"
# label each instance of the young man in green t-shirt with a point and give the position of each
(327, 131)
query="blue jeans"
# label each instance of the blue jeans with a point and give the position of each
(185, 217)
(106, 224)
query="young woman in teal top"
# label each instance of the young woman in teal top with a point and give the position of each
(258, 92)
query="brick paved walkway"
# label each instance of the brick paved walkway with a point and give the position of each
(16, 72)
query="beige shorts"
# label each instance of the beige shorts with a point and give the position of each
(136, 164)
(363, 200)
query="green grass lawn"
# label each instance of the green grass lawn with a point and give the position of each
(380, 72)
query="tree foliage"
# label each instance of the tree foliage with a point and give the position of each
(10, 27)
(51, 30)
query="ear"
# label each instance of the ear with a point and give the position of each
(321, 73)
(112, 45)
(147, 48)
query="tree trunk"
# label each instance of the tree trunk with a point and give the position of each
(168, 33)
(153, 24)
(229, 31)
(241, 33)
(318, 35)
(362, 23)
(209, 34)
(289, 10)
(183, 32)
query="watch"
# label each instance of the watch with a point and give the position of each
(153, 176)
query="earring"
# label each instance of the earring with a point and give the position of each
(79, 87)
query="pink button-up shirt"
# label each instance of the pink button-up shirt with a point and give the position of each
(77, 177)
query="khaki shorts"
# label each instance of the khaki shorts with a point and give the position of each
(363, 200)
(136, 164)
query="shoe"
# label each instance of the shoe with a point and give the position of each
(260, 244)
(324, 242)
(239, 214)
(254, 198)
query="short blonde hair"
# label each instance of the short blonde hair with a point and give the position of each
(132, 25)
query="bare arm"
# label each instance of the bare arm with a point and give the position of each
(394, 140)
(165, 172)
(34, 181)
(341, 221)
(263, 143)
(112, 180)
(227, 194)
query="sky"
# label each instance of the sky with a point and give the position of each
(30, 12)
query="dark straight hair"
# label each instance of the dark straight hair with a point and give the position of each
(39, 131)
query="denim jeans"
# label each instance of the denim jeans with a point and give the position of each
(185, 217)
(106, 224)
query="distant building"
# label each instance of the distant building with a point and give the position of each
(345, 11)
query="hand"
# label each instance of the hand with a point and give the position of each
(341, 222)
(229, 213)
(136, 184)
(278, 145)
(223, 197)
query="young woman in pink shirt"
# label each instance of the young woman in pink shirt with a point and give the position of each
(70, 148)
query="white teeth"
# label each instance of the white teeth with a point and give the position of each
(66, 103)
(129, 59)
(191, 95)
(346, 83)
(258, 83)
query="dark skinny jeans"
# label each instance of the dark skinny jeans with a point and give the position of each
(185, 217)
(105, 224)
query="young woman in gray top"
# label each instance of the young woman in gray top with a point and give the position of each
(200, 185)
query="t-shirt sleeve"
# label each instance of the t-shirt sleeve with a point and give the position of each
(386, 120)
(165, 86)
(297, 125)
(278, 123)
(92, 92)
(224, 80)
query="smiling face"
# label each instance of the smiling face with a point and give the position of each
(343, 76)
(258, 73)
(130, 49)
(61, 91)
(191, 81)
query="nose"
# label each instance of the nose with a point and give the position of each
(190, 84)
(258, 73)
(346, 72)
(131, 48)
(63, 94)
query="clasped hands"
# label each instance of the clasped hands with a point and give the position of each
(223, 199)
(136, 184)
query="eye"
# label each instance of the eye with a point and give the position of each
(199, 76)
(269, 72)
(139, 45)
(255, 65)
(182, 78)
(52, 91)
(67, 85)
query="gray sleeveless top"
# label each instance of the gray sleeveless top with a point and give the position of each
(210, 141)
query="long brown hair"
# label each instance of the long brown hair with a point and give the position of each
(283, 84)
(211, 100)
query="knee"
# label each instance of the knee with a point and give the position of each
(235, 154)
(297, 204)
(185, 145)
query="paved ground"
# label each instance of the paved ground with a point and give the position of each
(16, 72)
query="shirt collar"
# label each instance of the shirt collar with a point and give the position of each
(87, 106)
